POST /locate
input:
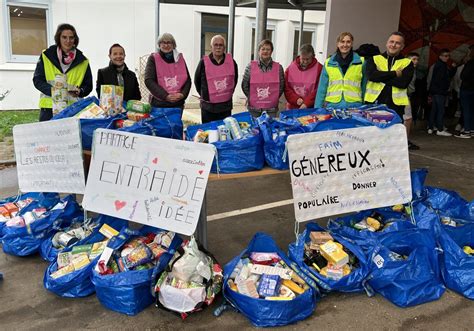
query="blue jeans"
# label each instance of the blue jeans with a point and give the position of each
(437, 112)
(467, 105)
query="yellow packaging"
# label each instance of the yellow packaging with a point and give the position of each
(108, 231)
(63, 271)
(292, 286)
(80, 260)
(333, 252)
(375, 224)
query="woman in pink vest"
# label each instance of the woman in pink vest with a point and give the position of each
(301, 79)
(166, 75)
(215, 80)
(263, 82)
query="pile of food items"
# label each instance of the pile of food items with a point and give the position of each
(136, 111)
(313, 118)
(266, 276)
(73, 234)
(60, 93)
(328, 257)
(10, 210)
(374, 116)
(139, 253)
(231, 130)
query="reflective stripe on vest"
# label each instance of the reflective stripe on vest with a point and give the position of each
(75, 76)
(373, 90)
(348, 86)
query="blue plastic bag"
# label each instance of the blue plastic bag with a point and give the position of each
(350, 283)
(32, 195)
(457, 267)
(418, 177)
(234, 156)
(49, 253)
(411, 281)
(78, 283)
(26, 240)
(88, 126)
(163, 122)
(130, 292)
(261, 312)
(364, 238)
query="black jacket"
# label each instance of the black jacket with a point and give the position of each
(108, 76)
(467, 76)
(39, 77)
(200, 81)
(158, 93)
(389, 78)
(441, 78)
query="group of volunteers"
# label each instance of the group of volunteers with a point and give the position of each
(345, 80)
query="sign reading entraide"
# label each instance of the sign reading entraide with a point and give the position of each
(339, 171)
(49, 156)
(150, 180)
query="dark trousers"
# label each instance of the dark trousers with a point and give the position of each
(437, 112)
(207, 117)
(467, 104)
(45, 114)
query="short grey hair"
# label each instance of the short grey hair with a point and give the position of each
(216, 37)
(307, 49)
(167, 37)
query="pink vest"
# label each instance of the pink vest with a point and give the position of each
(170, 76)
(220, 79)
(264, 86)
(302, 82)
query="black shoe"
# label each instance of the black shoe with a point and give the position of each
(412, 146)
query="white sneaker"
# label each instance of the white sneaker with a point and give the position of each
(430, 131)
(458, 127)
(463, 135)
(443, 133)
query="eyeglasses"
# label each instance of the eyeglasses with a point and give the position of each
(218, 45)
(167, 43)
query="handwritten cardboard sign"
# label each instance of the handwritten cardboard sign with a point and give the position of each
(49, 156)
(150, 180)
(340, 171)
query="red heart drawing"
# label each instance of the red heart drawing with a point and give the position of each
(119, 204)
(155, 160)
(201, 171)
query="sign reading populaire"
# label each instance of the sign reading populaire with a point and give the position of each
(150, 180)
(49, 156)
(339, 171)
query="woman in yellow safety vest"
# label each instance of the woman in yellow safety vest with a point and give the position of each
(342, 82)
(62, 73)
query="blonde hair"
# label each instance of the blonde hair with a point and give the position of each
(344, 34)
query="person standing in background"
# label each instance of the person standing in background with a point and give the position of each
(167, 76)
(301, 79)
(215, 80)
(412, 108)
(62, 58)
(467, 95)
(117, 73)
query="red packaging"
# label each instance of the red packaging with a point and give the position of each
(4, 212)
(11, 207)
(119, 124)
(136, 116)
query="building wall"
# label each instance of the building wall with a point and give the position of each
(132, 24)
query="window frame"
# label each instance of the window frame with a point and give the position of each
(270, 27)
(42, 4)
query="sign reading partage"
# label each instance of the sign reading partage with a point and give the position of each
(49, 156)
(150, 180)
(339, 171)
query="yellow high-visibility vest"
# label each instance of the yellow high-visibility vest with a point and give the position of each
(373, 89)
(347, 86)
(75, 76)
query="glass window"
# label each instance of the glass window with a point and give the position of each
(27, 31)
(212, 25)
(307, 39)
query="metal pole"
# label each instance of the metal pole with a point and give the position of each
(261, 24)
(157, 24)
(230, 32)
(300, 39)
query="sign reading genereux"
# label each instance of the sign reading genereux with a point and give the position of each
(49, 156)
(339, 171)
(150, 180)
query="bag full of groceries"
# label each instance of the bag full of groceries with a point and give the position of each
(69, 274)
(264, 285)
(238, 142)
(11, 206)
(404, 268)
(332, 261)
(123, 275)
(23, 234)
(190, 282)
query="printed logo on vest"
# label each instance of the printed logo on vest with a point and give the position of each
(171, 81)
(300, 90)
(220, 84)
(263, 92)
